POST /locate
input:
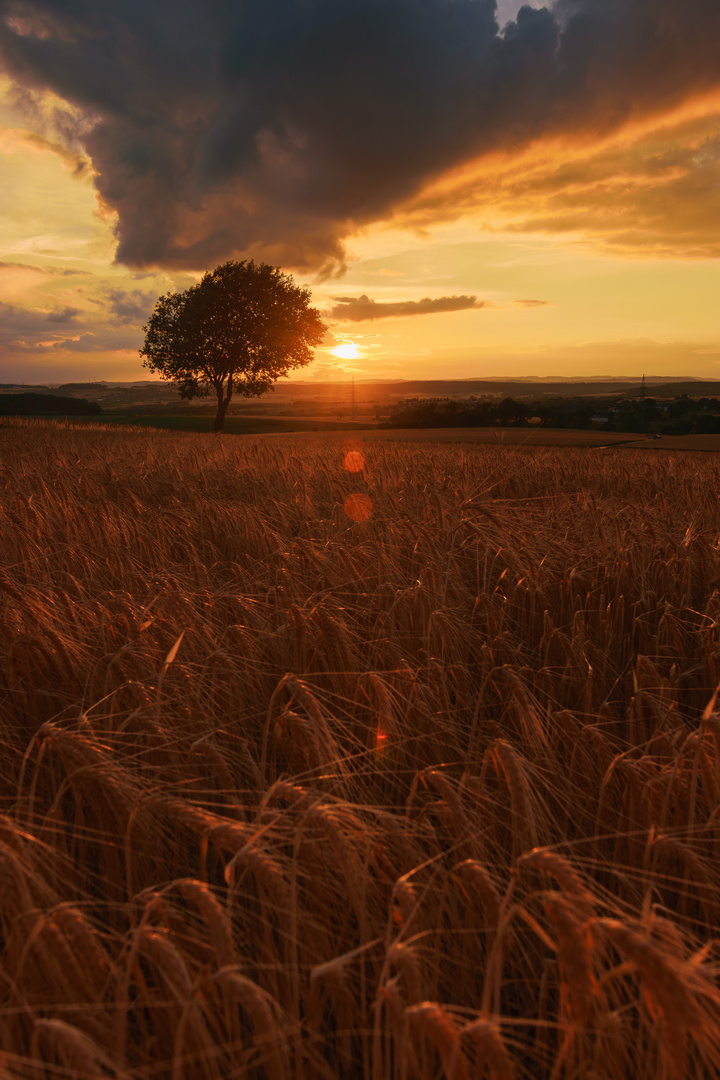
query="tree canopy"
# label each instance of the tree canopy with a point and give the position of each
(243, 326)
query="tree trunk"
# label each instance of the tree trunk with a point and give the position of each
(223, 402)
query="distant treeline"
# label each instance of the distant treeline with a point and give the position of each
(42, 404)
(681, 416)
(508, 412)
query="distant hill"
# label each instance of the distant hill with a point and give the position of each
(655, 386)
(695, 388)
(153, 393)
(74, 388)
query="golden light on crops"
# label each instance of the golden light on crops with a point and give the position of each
(347, 351)
(404, 728)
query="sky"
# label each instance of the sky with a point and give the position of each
(468, 189)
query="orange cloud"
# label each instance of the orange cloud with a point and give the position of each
(651, 190)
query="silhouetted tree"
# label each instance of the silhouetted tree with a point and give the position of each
(243, 326)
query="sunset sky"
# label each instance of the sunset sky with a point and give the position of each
(468, 191)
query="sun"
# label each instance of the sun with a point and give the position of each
(347, 351)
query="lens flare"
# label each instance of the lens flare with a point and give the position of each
(354, 461)
(358, 506)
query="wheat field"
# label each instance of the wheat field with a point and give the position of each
(378, 761)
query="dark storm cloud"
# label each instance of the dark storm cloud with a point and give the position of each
(275, 128)
(363, 309)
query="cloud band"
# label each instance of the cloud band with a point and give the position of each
(363, 309)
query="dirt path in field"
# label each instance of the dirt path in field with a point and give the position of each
(705, 443)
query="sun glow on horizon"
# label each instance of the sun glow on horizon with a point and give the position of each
(347, 351)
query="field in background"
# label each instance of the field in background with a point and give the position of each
(382, 760)
(678, 415)
(239, 425)
(557, 437)
(285, 425)
(367, 429)
(531, 437)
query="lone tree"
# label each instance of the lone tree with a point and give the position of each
(243, 326)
